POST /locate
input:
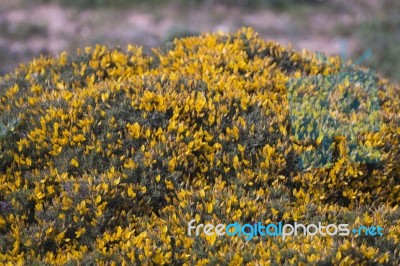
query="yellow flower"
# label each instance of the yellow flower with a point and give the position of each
(134, 130)
(131, 193)
(130, 164)
(80, 232)
(104, 96)
(78, 138)
(2, 222)
(74, 162)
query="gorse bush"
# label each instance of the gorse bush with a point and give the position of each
(107, 154)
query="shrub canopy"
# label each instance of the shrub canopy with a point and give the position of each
(106, 155)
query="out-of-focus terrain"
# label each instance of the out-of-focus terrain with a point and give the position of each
(336, 27)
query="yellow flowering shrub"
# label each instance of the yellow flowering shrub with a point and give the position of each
(106, 155)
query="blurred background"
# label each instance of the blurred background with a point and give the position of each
(29, 28)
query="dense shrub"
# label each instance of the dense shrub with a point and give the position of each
(107, 154)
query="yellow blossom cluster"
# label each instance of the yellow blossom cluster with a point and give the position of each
(106, 155)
